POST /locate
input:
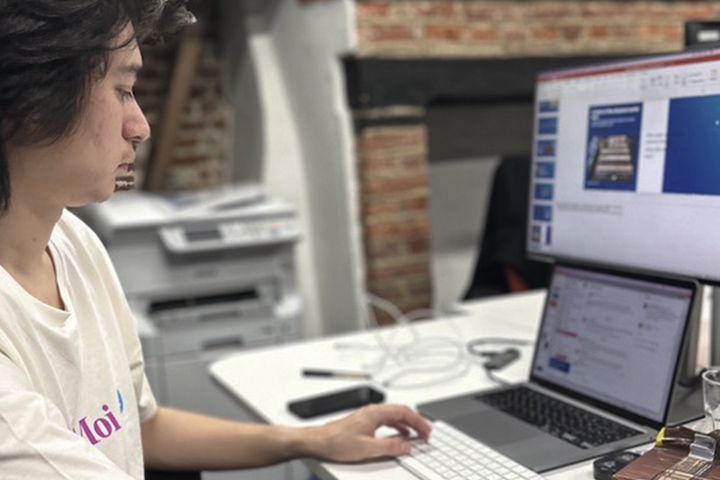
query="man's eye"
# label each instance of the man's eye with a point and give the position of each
(126, 94)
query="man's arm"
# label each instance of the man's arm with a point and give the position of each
(176, 439)
(35, 441)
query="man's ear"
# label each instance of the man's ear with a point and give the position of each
(10, 129)
(19, 133)
(6, 131)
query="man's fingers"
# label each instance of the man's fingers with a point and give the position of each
(391, 447)
(402, 430)
(401, 417)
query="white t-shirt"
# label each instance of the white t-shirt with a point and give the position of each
(73, 389)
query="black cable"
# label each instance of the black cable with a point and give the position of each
(497, 359)
(491, 375)
(472, 346)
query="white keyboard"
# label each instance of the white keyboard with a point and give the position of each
(450, 454)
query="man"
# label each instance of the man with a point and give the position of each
(74, 399)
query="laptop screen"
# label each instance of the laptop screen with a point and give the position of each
(613, 338)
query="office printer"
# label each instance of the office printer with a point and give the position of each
(205, 274)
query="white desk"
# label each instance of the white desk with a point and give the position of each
(264, 380)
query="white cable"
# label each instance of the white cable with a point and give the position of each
(417, 356)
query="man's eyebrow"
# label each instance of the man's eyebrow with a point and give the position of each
(130, 69)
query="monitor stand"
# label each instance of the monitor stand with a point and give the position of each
(686, 404)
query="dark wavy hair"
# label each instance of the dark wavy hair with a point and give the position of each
(50, 53)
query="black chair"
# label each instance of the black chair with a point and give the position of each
(502, 265)
(167, 475)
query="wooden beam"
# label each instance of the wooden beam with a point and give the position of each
(382, 82)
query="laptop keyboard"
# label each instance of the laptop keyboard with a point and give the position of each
(453, 455)
(567, 422)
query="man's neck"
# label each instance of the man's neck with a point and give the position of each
(24, 252)
(24, 235)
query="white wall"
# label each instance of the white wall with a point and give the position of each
(307, 145)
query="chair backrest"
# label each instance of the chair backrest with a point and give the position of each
(502, 253)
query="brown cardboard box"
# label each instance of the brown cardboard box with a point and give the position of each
(670, 459)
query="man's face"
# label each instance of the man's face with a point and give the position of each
(86, 163)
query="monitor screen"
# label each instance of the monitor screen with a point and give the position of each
(626, 165)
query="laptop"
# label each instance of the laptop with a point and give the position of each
(609, 344)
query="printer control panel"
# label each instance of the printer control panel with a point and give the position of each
(229, 234)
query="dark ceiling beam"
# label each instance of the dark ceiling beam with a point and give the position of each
(376, 82)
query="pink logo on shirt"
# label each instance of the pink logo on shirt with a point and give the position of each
(95, 430)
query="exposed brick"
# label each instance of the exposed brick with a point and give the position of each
(415, 302)
(599, 31)
(385, 33)
(378, 208)
(410, 228)
(605, 9)
(187, 141)
(551, 10)
(389, 185)
(545, 32)
(445, 32)
(382, 273)
(414, 162)
(421, 287)
(571, 32)
(698, 10)
(444, 8)
(386, 204)
(419, 245)
(372, 9)
(186, 160)
(408, 294)
(624, 31)
(484, 33)
(388, 290)
(673, 33)
(198, 90)
(414, 204)
(382, 318)
(377, 162)
(391, 137)
(650, 30)
(515, 34)
(481, 10)
(369, 177)
(383, 248)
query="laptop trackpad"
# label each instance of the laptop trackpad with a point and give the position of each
(522, 442)
(494, 428)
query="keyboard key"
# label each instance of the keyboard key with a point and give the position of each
(450, 454)
(567, 422)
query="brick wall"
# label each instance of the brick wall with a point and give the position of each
(199, 159)
(392, 160)
(474, 28)
(394, 189)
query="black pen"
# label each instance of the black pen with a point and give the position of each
(309, 372)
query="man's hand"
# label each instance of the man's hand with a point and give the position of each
(352, 438)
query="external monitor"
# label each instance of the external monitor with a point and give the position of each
(626, 165)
